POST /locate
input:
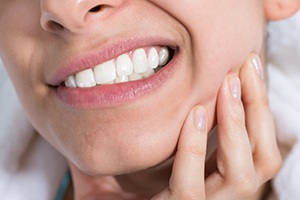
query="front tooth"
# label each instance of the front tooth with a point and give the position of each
(124, 65)
(71, 82)
(140, 61)
(153, 58)
(105, 73)
(148, 73)
(163, 56)
(135, 77)
(85, 79)
(121, 79)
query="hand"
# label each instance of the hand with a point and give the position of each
(247, 154)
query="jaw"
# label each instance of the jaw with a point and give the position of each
(123, 130)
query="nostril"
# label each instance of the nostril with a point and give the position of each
(96, 8)
(54, 26)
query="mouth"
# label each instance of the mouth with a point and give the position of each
(131, 66)
(117, 80)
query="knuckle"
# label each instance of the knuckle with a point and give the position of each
(265, 101)
(273, 167)
(235, 121)
(190, 197)
(247, 185)
(277, 165)
(258, 97)
(195, 151)
(192, 193)
(250, 188)
(257, 102)
(237, 117)
(239, 122)
(261, 103)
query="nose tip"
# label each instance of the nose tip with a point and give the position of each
(71, 15)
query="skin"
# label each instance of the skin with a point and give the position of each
(45, 34)
(164, 118)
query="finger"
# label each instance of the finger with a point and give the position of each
(234, 154)
(187, 179)
(259, 120)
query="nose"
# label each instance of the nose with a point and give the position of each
(73, 15)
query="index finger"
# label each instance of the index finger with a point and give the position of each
(187, 177)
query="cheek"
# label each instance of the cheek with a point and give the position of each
(223, 43)
(21, 52)
(20, 30)
(221, 31)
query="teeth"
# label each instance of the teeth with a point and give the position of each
(71, 82)
(140, 61)
(148, 73)
(85, 79)
(164, 55)
(135, 77)
(121, 79)
(124, 65)
(105, 73)
(153, 58)
(122, 69)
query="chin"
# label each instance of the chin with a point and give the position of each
(122, 155)
(101, 167)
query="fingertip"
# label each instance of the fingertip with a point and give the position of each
(257, 65)
(194, 131)
(234, 86)
(253, 67)
(253, 81)
(200, 119)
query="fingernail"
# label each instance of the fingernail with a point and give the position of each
(235, 87)
(200, 118)
(258, 66)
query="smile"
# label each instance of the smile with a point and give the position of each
(132, 66)
(116, 74)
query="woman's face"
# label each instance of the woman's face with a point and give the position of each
(117, 128)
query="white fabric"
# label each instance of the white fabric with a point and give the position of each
(30, 169)
(284, 92)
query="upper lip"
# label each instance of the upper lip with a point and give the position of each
(103, 54)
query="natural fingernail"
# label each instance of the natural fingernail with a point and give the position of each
(200, 118)
(258, 66)
(235, 87)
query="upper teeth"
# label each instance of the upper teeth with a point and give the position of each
(122, 69)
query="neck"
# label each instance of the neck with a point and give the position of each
(147, 182)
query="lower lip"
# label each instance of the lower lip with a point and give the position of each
(115, 94)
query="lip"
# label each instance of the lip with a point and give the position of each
(107, 52)
(114, 94)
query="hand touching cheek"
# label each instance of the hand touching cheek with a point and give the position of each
(247, 154)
